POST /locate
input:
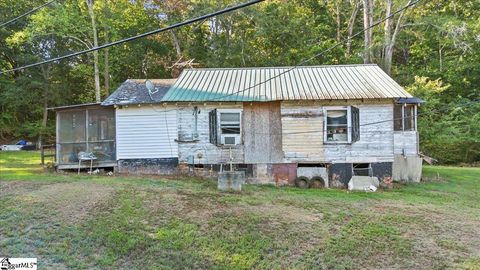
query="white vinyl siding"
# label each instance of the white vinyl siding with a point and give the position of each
(147, 132)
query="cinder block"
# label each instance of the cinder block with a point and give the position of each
(362, 182)
(231, 181)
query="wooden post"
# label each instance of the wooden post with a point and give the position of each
(231, 159)
(42, 154)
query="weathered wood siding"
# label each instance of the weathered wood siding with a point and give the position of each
(406, 142)
(302, 132)
(146, 132)
(302, 128)
(262, 132)
(201, 149)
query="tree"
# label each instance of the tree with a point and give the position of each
(368, 35)
(391, 37)
(90, 4)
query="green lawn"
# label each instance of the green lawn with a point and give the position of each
(103, 222)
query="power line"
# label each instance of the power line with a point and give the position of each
(316, 55)
(322, 52)
(26, 14)
(190, 21)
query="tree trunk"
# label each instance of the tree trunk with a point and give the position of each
(338, 20)
(46, 75)
(351, 23)
(387, 51)
(44, 122)
(367, 22)
(106, 71)
(95, 53)
(388, 22)
(391, 38)
(176, 43)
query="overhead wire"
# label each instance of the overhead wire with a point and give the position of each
(26, 14)
(314, 56)
(156, 31)
(320, 53)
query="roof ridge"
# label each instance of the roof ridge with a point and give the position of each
(132, 79)
(281, 67)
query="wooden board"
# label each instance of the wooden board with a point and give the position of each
(262, 132)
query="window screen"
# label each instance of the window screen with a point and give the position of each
(397, 117)
(72, 127)
(409, 118)
(404, 117)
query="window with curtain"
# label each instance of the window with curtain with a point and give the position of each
(342, 124)
(337, 126)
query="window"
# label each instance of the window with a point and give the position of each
(225, 127)
(230, 128)
(337, 126)
(342, 125)
(404, 117)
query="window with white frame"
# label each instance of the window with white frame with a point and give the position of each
(230, 128)
(225, 127)
(341, 124)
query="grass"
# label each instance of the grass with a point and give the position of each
(103, 222)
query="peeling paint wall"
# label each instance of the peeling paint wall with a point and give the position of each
(164, 166)
(406, 142)
(302, 128)
(382, 170)
(199, 148)
(339, 174)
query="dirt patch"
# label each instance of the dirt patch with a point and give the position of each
(201, 207)
(17, 187)
(170, 203)
(72, 201)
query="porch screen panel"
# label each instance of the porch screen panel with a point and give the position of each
(71, 135)
(101, 134)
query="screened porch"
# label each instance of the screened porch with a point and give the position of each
(85, 128)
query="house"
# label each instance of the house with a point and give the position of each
(275, 123)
